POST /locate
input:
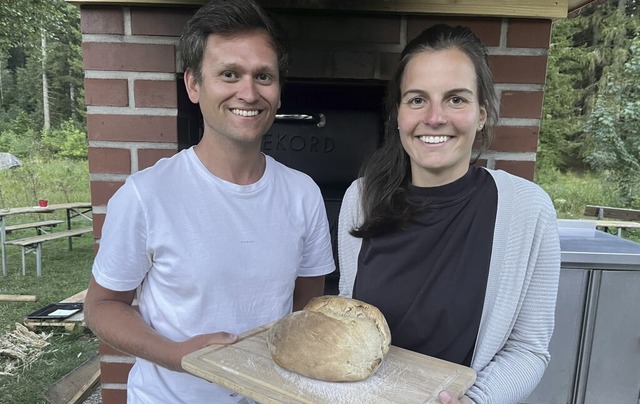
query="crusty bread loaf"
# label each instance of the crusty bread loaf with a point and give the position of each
(332, 339)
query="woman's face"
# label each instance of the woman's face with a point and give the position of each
(439, 115)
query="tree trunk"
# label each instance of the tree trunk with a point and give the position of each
(72, 97)
(45, 84)
(1, 90)
(622, 5)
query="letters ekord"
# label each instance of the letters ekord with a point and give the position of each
(282, 142)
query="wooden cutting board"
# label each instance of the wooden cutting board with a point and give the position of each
(247, 368)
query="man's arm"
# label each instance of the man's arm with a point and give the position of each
(111, 317)
(306, 289)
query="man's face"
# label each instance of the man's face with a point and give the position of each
(239, 92)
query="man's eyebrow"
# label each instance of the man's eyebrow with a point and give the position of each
(236, 66)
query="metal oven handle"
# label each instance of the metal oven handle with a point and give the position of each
(319, 119)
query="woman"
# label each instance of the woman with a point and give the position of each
(463, 261)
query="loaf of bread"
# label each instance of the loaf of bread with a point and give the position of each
(333, 339)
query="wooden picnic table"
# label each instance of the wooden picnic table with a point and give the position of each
(603, 224)
(609, 212)
(72, 210)
(618, 224)
(609, 216)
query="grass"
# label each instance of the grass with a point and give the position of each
(64, 273)
(59, 181)
(571, 192)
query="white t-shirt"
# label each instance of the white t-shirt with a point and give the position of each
(210, 256)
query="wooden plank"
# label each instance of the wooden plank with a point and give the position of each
(576, 4)
(591, 211)
(619, 224)
(503, 8)
(514, 8)
(18, 298)
(71, 205)
(27, 241)
(75, 386)
(25, 209)
(606, 225)
(77, 298)
(23, 226)
(49, 209)
(608, 212)
(247, 368)
(84, 391)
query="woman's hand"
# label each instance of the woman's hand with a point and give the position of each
(446, 398)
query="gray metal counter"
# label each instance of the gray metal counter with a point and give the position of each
(590, 248)
(595, 349)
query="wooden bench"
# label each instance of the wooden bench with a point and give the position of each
(35, 243)
(35, 225)
(607, 216)
(607, 212)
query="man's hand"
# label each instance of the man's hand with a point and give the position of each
(198, 342)
(111, 316)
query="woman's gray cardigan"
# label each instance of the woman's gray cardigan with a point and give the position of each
(511, 352)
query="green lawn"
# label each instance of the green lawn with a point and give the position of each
(64, 273)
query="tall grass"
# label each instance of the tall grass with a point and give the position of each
(59, 181)
(571, 192)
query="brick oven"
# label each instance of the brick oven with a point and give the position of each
(136, 112)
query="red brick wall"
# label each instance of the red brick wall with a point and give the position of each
(130, 63)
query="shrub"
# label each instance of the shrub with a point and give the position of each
(67, 141)
(571, 192)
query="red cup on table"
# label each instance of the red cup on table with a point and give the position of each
(43, 203)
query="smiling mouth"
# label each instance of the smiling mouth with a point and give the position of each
(245, 112)
(434, 139)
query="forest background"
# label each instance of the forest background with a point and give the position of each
(589, 145)
(590, 128)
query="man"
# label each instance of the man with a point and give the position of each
(218, 239)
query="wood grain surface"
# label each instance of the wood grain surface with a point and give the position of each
(247, 368)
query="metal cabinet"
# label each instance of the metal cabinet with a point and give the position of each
(557, 384)
(609, 370)
(595, 349)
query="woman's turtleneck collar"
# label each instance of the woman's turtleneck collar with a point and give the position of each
(454, 191)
